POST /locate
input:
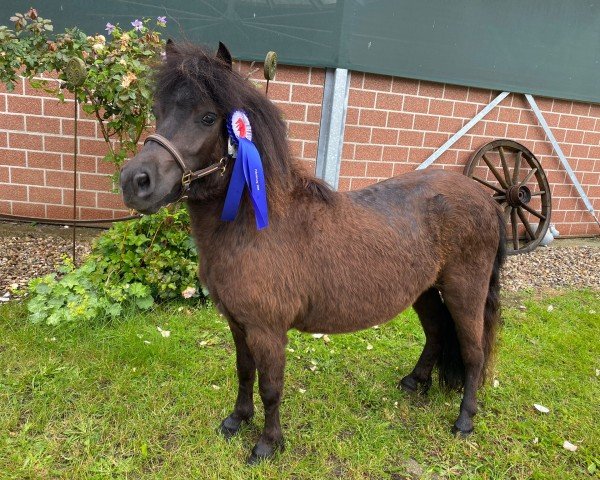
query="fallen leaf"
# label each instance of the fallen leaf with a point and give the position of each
(496, 383)
(569, 446)
(317, 335)
(326, 339)
(536, 440)
(550, 308)
(147, 342)
(215, 387)
(541, 408)
(164, 333)
(369, 346)
(302, 390)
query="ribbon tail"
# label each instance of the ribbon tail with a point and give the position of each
(234, 192)
(255, 179)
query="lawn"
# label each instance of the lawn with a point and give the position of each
(122, 401)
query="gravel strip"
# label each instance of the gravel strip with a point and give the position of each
(31, 251)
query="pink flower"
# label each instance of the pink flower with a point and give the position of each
(137, 24)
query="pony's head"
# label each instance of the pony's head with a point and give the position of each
(195, 92)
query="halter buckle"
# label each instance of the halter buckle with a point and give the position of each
(186, 179)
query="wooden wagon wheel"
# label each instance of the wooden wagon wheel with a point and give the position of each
(518, 183)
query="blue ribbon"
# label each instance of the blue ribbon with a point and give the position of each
(247, 171)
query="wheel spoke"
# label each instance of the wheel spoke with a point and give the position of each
(504, 164)
(535, 194)
(515, 177)
(533, 212)
(526, 223)
(529, 175)
(489, 185)
(499, 197)
(494, 171)
(515, 234)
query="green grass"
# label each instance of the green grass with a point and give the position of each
(99, 402)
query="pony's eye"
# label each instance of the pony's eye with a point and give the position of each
(209, 119)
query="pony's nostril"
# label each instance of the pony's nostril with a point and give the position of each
(141, 183)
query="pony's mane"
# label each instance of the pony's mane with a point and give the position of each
(203, 76)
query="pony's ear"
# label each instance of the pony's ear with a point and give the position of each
(223, 54)
(170, 47)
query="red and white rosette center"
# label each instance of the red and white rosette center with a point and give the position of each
(240, 125)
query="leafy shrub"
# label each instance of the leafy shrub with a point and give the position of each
(133, 264)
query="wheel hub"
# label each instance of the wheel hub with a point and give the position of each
(518, 195)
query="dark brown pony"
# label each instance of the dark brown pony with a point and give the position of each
(329, 262)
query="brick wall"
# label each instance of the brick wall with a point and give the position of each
(392, 125)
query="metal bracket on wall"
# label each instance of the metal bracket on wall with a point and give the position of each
(333, 120)
(471, 123)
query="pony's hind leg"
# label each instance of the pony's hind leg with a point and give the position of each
(432, 312)
(246, 371)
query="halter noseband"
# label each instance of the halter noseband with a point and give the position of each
(188, 175)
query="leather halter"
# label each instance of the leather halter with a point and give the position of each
(188, 175)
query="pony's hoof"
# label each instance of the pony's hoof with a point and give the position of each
(264, 451)
(229, 427)
(411, 385)
(460, 433)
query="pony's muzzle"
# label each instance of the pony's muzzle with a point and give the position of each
(141, 184)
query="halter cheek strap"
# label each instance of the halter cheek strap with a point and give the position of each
(188, 175)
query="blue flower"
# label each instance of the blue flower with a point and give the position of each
(138, 25)
(162, 21)
(110, 28)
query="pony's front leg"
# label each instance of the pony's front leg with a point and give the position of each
(268, 351)
(246, 371)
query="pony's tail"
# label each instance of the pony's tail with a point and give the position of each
(450, 364)
(491, 316)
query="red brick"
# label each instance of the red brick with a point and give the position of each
(44, 160)
(348, 151)
(392, 153)
(296, 147)
(89, 181)
(2, 103)
(85, 128)
(381, 83)
(280, 92)
(292, 74)
(313, 113)
(591, 138)
(380, 169)
(465, 110)
(43, 124)
(426, 122)
(36, 210)
(580, 108)
(405, 85)
(24, 140)
(360, 98)
(456, 92)
(18, 87)
(85, 163)
(431, 89)
(418, 154)
(568, 121)
(441, 107)
(580, 151)
(40, 92)
(59, 212)
(357, 134)
(58, 144)
(350, 168)
(59, 179)
(450, 124)
(416, 104)
(574, 136)
(510, 115)
(304, 131)
(352, 116)
(92, 147)
(585, 165)
(96, 214)
(551, 118)
(102, 166)
(411, 138)
(478, 95)
(310, 150)
(368, 152)
(45, 195)
(13, 157)
(13, 192)
(385, 136)
(317, 76)
(29, 105)
(356, 80)
(389, 101)
(4, 176)
(307, 94)
(544, 103)
(535, 133)
(586, 123)
(435, 140)
(27, 176)
(562, 106)
(344, 184)
(401, 168)
(85, 198)
(400, 120)
(376, 118)
(358, 183)
(10, 121)
(293, 111)
(495, 129)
